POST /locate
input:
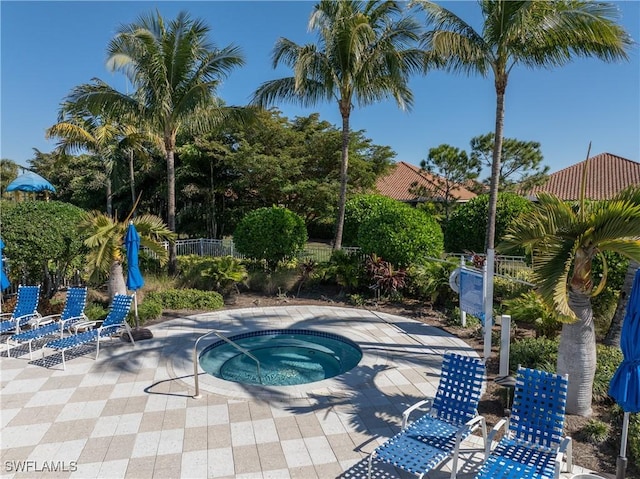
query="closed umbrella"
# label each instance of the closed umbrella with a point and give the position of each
(4, 281)
(625, 384)
(135, 281)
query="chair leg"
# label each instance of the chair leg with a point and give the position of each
(64, 366)
(370, 465)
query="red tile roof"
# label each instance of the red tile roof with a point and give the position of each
(397, 183)
(607, 175)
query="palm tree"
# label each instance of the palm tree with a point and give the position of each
(532, 34)
(564, 239)
(105, 243)
(95, 134)
(175, 72)
(362, 54)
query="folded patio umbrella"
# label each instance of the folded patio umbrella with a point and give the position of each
(135, 281)
(4, 281)
(625, 384)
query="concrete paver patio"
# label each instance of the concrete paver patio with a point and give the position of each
(131, 413)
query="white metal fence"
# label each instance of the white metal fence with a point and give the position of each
(510, 266)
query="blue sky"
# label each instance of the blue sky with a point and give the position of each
(49, 47)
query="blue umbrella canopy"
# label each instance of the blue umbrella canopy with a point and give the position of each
(135, 280)
(4, 281)
(625, 384)
(30, 182)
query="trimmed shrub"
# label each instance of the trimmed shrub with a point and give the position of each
(401, 235)
(270, 234)
(186, 299)
(534, 353)
(357, 210)
(39, 233)
(148, 310)
(467, 225)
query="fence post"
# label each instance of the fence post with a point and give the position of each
(463, 314)
(505, 339)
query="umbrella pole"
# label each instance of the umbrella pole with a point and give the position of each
(621, 463)
(135, 308)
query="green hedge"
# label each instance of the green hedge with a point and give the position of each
(186, 299)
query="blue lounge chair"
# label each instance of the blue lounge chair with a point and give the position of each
(26, 310)
(112, 324)
(72, 313)
(450, 417)
(533, 446)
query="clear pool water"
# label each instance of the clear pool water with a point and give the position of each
(287, 357)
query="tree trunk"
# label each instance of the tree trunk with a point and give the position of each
(109, 196)
(577, 355)
(171, 207)
(615, 329)
(132, 180)
(116, 283)
(501, 86)
(337, 244)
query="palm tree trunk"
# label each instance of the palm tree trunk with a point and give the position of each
(171, 208)
(116, 284)
(109, 196)
(501, 86)
(337, 244)
(132, 180)
(612, 337)
(577, 355)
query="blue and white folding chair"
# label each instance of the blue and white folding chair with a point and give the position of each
(450, 418)
(72, 313)
(533, 446)
(112, 324)
(26, 310)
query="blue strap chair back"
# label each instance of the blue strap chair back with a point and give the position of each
(538, 411)
(118, 311)
(460, 388)
(75, 303)
(27, 302)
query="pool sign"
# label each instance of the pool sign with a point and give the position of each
(469, 285)
(471, 293)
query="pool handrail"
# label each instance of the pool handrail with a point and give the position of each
(197, 394)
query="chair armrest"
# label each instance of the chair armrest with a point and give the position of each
(47, 319)
(502, 423)
(79, 319)
(84, 325)
(2, 315)
(566, 450)
(410, 409)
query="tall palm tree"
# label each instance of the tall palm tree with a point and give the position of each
(534, 34)
(363, 53)
(564, 239)
(104, 239)
(175, 72)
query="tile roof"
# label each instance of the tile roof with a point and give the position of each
(397, 183)
(607, 175)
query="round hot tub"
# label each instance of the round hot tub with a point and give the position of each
(280, 357)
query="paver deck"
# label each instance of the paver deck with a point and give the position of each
(131, 413)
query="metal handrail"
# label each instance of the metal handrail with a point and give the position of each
(197, 394)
